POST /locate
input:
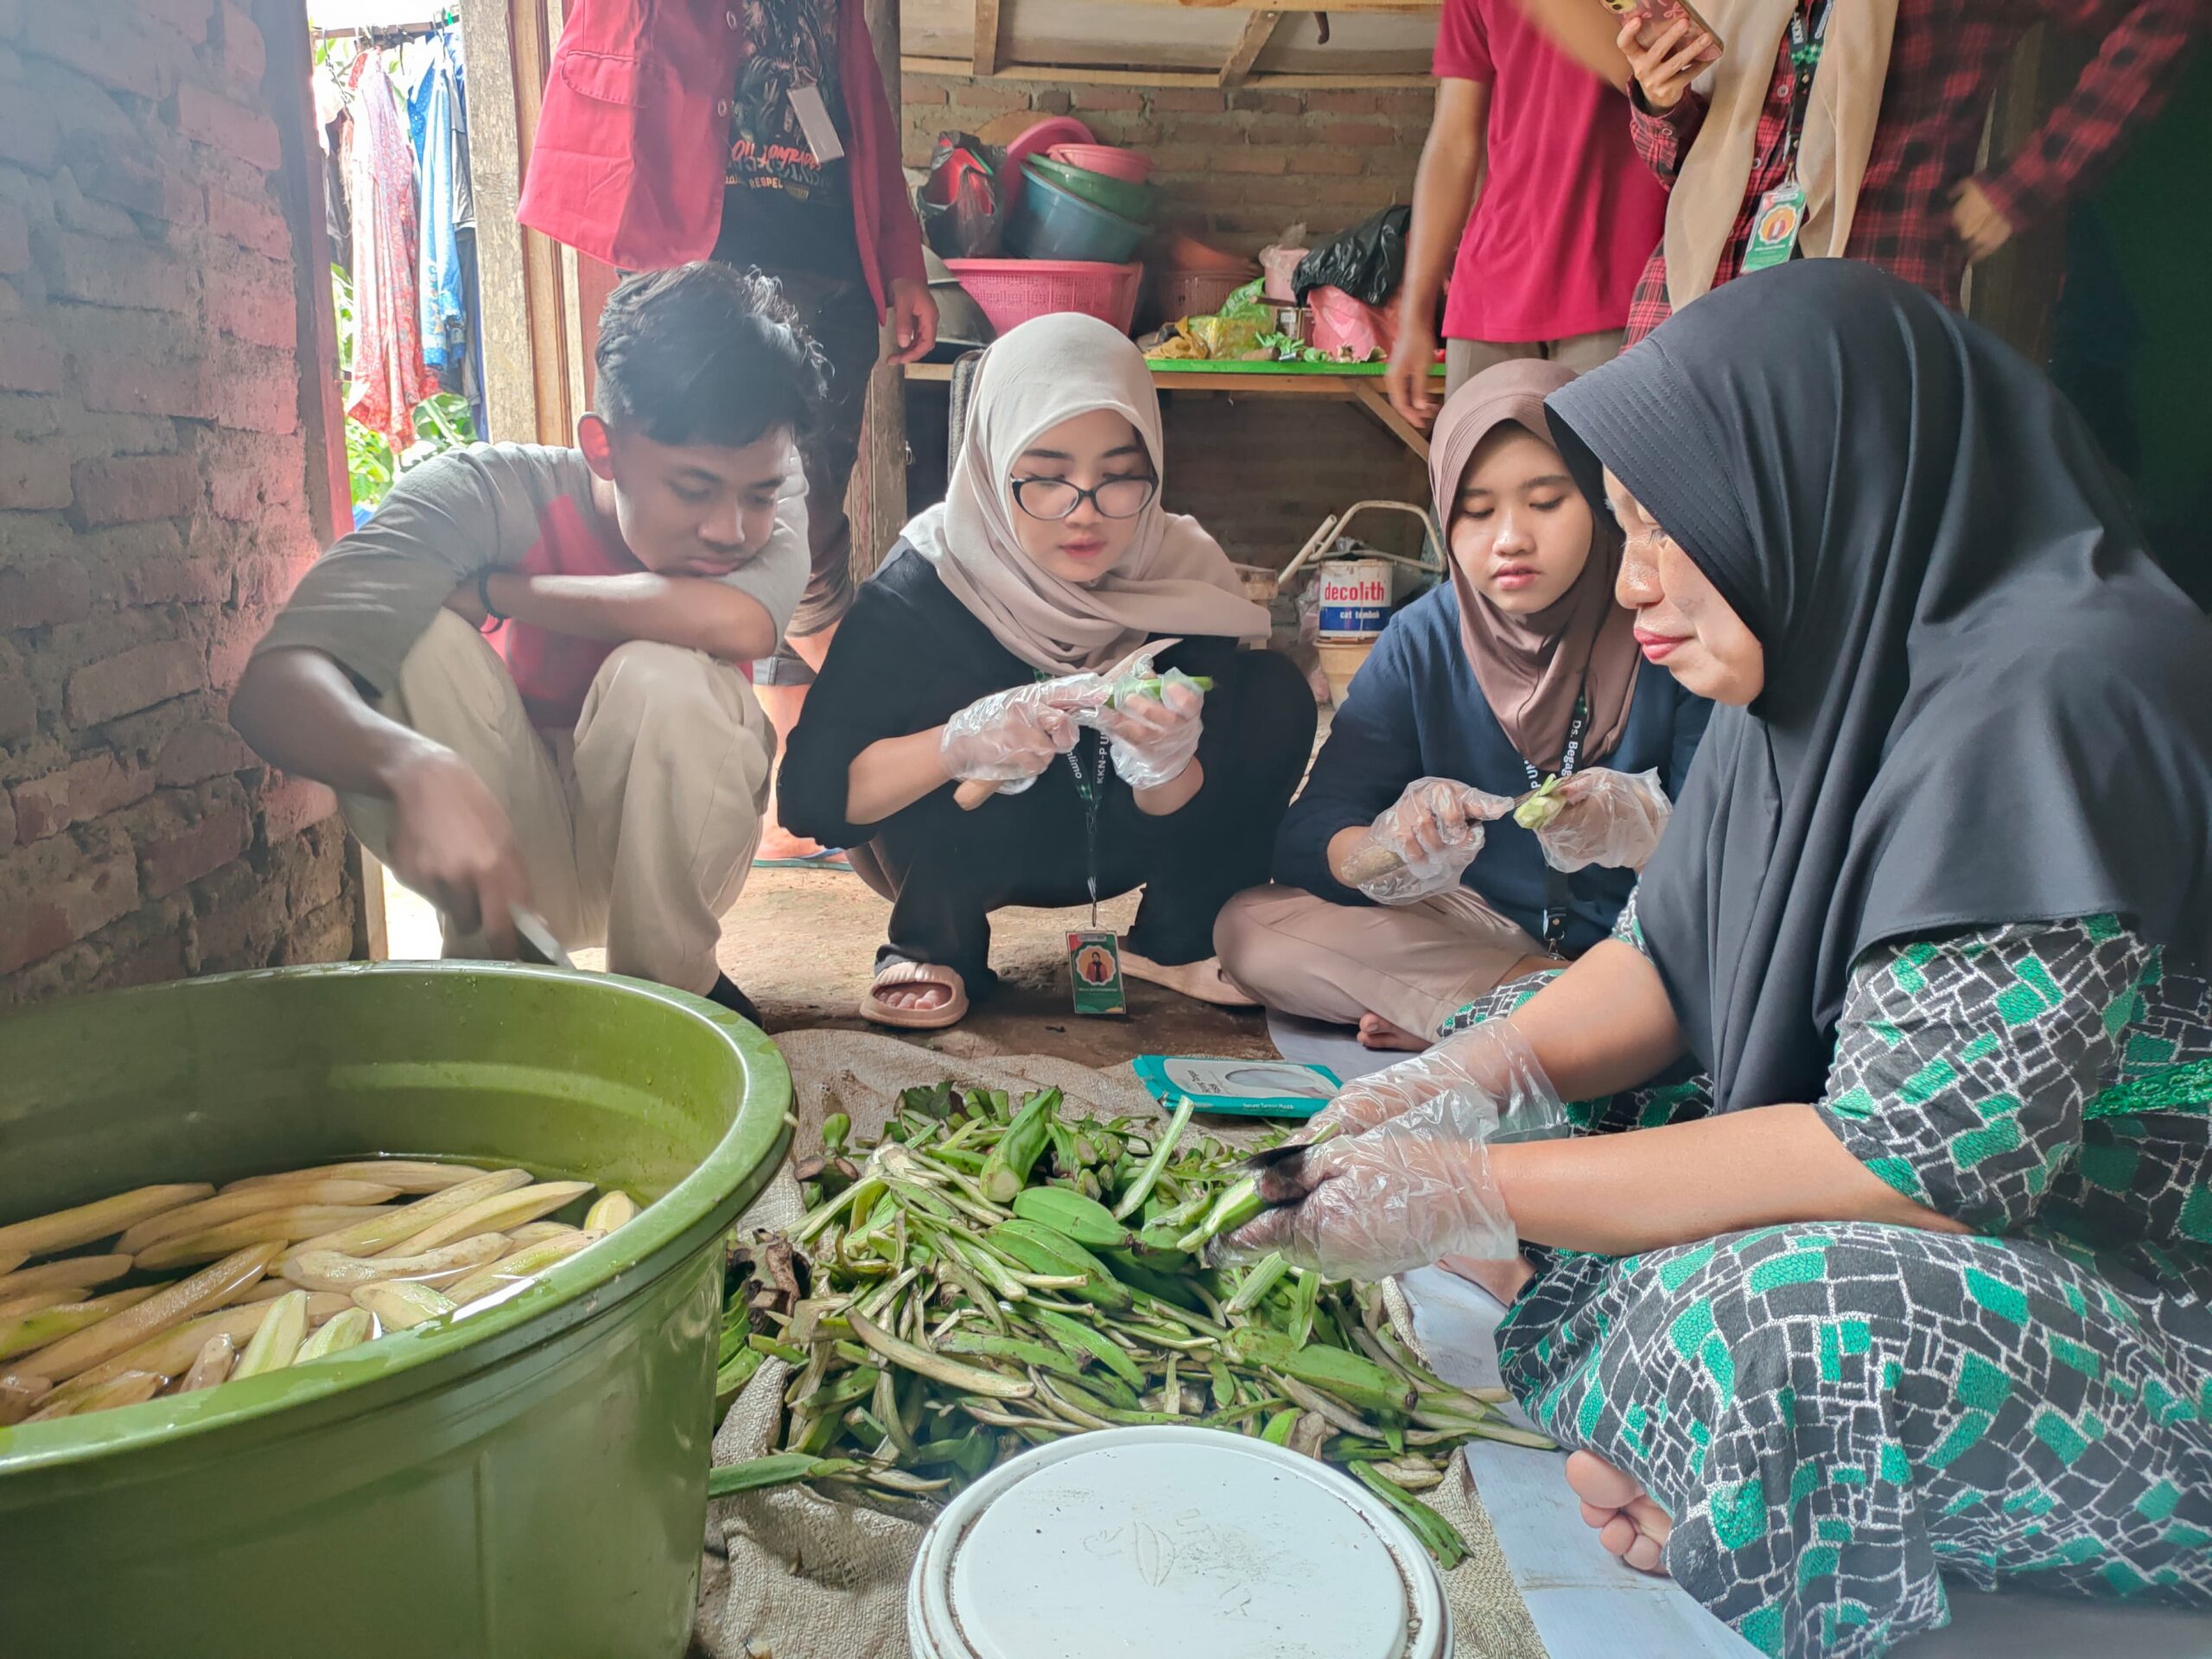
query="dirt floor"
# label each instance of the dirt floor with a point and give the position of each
(801, 943)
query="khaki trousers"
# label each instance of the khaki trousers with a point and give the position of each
(1415, 965)
(1465, 359)
(637, 829)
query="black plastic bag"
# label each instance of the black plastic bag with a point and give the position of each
(961, 215)
(1366, 261)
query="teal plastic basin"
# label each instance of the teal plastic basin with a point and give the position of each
(529, 1480)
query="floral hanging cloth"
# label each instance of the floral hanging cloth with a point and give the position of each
(390, 376)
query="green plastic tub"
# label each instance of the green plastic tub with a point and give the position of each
(530, 1480)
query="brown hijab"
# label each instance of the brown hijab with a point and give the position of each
(1531, 668)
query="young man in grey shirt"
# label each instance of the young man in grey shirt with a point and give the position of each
(526, 675)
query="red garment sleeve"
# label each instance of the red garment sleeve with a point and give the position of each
(898, 233)
(2143, 49)
(1463, 43)
(1663, 137)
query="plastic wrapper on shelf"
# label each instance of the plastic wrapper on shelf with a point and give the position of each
(1367, 261)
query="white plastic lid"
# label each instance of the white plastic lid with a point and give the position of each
(1173, 1541)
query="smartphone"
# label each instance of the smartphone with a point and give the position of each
(1657, 15)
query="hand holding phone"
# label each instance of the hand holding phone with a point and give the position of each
(1669, 57)
(1668, 46)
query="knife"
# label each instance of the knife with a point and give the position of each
(534, 941)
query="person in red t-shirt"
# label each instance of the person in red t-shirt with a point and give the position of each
(1547, 258)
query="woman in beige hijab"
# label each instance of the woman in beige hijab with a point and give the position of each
(979, 736)
(1406, 889)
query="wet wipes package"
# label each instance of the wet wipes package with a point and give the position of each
(1238, 1088)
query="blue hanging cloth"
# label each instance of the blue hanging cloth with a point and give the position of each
(440, 132)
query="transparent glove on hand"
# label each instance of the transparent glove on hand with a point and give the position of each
(1424, 841)
(1491, 1062)
(1152, 725)
(1401, 1195)
(1612, 818)
(1009, 737)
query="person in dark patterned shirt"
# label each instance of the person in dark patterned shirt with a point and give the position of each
(1860, 1252)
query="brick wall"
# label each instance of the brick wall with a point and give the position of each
(1236, 167)
(152, 505)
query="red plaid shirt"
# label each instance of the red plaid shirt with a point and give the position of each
(1945, 60)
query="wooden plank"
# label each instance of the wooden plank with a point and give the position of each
(1260, 28)
(1077, 75)
(534, 26)
(322, 420)
(986, 61)
(495, 163)
(287, 86)
(875, 501)
(1370, 397)
(372, 932)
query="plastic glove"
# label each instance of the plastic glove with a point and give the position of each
(1614, 818)
(1399, 1197)
(1152, 738)
(1009, 737)
(1424, 841)
(1491, 1062)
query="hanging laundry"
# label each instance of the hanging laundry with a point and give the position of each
(330, 119)
(440, 141)
(390, 377)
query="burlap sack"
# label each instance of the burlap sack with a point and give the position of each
(790, 1575)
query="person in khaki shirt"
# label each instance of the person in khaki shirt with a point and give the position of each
(526, 675)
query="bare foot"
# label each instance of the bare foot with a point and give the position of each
(1629, 1524)
(1376, 1032)
(1202, 981)
(915, 996)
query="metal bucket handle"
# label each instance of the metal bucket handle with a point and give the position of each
(1432, 559)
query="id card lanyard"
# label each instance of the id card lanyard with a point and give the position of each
(1556, 896)
(1780, 212)
(1094, 954)
(1091, 792)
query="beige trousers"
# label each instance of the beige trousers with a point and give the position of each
(1415, 965)
(1465, 359)
(637, 829)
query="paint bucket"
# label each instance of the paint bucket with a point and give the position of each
(1172, 1541)
(1353, 596)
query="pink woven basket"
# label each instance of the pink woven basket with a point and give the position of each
(1130, 166)
(1012, 291)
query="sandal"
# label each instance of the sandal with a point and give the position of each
(894, 975)
(1203, 981)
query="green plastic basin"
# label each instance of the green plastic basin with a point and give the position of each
(528, 1480)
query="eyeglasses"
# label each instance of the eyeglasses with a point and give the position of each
(1053, 498)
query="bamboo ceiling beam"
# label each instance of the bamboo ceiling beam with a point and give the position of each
(986, 62)
(1260, 28)
(1078, 74)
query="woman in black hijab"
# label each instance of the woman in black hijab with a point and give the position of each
(1895, 1267)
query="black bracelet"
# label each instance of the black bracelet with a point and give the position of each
(492, 612)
